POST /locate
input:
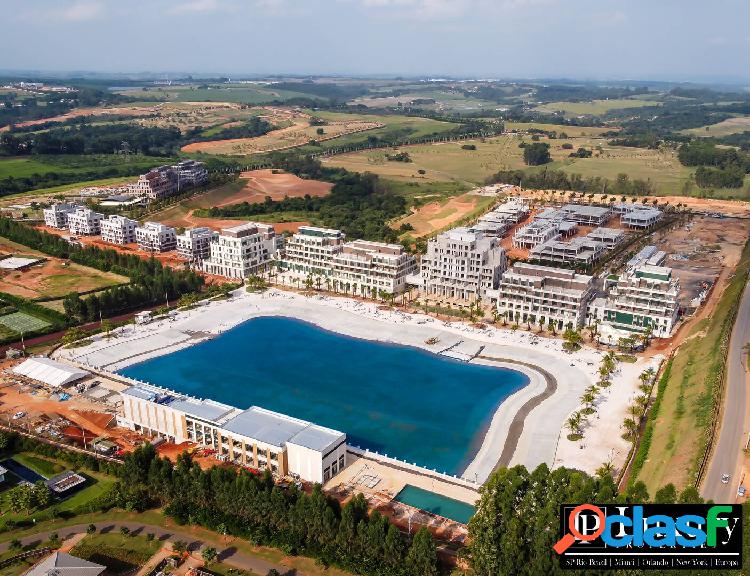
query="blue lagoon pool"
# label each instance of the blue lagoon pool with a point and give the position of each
(436, 503)
(398, 400)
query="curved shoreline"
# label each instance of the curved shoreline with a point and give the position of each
(509, 438)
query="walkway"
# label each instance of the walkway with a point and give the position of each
(229, 555)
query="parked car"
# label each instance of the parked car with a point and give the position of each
(741, 491)
(19, 415)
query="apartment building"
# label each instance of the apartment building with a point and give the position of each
(194, 245)
(513, 209)
(586, 215)
(536, 232)
(118, 230)
(85, 222)
(311, 250)
(610, 237)
(540, 294)
(190, 173)
(56, 216)
(644, 296)
(462, 264)
(373, 267)
(241, 251)
(256, 437)
(156, 237)
(156, 184)
(581, 250)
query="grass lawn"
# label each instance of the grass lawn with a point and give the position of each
(172, 215)
(39, 465)
(25, 166)
(594, 107)
(725, 128)
(32, 194)
(679, 438)
(117, 552)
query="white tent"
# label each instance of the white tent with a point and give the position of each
(49, 372)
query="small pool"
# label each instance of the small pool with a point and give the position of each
(436, 504)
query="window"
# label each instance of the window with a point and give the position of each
(327, 474)
(341, 462)
(334, 467)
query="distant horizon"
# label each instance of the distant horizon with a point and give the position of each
(597, 40)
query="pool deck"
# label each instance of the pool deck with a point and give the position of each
(526, 429)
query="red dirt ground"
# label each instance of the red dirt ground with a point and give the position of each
(262, 183)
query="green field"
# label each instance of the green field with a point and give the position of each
(242, 94)
(725, 128)
(21, 322)
(448, 162)
(594, 107)
(25, 166)
(678, 436)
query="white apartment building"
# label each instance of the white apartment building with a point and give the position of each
(532, 293)
(256, 438)
(85, 222)
(462, 264)
(241, 251)
(644, 296)
(373, 267)
(586, 215)
(311, 250)
(513, 209)
(536, 232)
(581, 250)
(56, 216)
(194, 245)
(610, 237)
(641, 217)
(156, 237)
(156, 184)
(118, 230)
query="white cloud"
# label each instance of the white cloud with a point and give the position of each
(195, 6)
(80, 11)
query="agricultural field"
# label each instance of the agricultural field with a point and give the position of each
(445, 100)
(593, 107)
(725, 128)
(25, 166)
(241, 94)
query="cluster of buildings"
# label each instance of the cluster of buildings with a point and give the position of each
(165, 181)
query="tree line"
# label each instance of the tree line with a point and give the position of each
(240, 503)
(717, 167)
(150, 281)
(560, 180)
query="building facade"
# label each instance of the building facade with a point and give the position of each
(255, 438)
(56, 216)
(241, 251)
(462, 264)
(536, 232)
(583, 251)
(118, 230)
(645, 296)
(540, 294)
(194, 245)
(190, 173)
(311, 250)
(156, 184)
(85, 222)
(372, 268)
(156, 237)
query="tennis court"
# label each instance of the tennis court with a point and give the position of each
(22, 322)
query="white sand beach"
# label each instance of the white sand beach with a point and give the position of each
(542, 438)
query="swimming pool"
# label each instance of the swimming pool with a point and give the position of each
(397, 400)
(436, 503)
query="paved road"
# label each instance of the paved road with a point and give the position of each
(228, 555)
(735, 424)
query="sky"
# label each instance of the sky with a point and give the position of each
(585, 39)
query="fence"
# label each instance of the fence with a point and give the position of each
(29, 554)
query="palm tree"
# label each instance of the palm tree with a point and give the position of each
(574, 423)
(631, 427)
(606, 469)
(588, 401)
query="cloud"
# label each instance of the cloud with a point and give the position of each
(81, 11)
(194, 6)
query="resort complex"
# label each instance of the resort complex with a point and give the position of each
(241, 251)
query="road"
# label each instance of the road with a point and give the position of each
(229, 555)
(728, 453)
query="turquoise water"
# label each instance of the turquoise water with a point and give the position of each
(398, 400)
(435, 503)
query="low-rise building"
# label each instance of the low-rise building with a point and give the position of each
(581, 250)
(156, 184)
(587, 215)
(311, 250)
(462, 264)
(194, 245)
(373, 267)
(156, 237)
(257, 438)
(241, 251)
(190, 173)
(542, 294)
(56, 216)
(640, 217)
(85, 222)
(645, 296)
(118, 230)
(536, 232)
(610, 237)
